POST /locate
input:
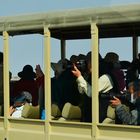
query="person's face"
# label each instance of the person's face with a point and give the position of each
(56, 74)
(135, 96)
(138, 93)
(18, 104)
(131, 89)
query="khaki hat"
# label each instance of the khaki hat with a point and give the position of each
(60, 65)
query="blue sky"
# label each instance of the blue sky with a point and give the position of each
(29, 49)
(12, 7)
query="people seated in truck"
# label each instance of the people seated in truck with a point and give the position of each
(28, 83)
(133, 70)
(64, 87)
(107, 83)
(112, 59)
(130, 117)
(18, 104)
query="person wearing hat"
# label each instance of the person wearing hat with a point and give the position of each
(59, 67)
(19, 102)
(28, 83)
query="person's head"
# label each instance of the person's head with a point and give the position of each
(113, 58)
(137, 87)
(134, 90)
(27, 73)
(131, 87)
(1, 58)
(59, 67)
(22, 98)
(88, 59)
(74, 59)
(137, 100)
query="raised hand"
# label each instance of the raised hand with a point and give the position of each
(76, 72)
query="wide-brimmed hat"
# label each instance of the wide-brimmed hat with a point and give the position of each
(57, 66)
(27, 72)
(60, 66)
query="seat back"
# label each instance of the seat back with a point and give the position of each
(31, 112)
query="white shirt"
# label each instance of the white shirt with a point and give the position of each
(105, 84)
(18, 112)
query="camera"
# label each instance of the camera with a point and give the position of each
(81, 65)
(125, 96)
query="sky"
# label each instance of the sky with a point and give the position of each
(12, 7)
(28, 49)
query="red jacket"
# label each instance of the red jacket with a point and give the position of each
(26, 85)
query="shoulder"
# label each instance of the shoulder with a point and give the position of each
(105, 83)
(106, 78)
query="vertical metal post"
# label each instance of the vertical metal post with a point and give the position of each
(135, 47)
(95, 71)
(47, 81)
(63, 49)
(6, 81)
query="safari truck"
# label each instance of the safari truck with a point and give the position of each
(89, 23)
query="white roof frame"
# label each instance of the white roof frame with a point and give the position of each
(71, 18)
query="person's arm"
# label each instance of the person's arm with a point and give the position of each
(125, 116)
(105, 83)
(83, 85)
(11, 110)
(39, 76)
